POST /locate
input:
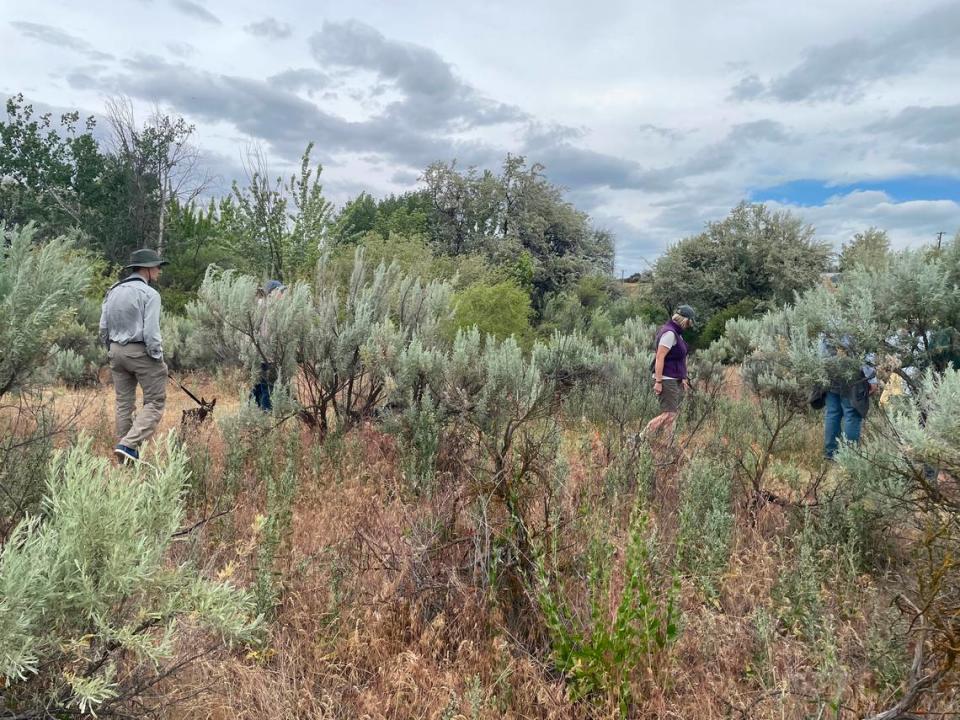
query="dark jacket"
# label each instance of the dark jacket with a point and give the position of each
(858, 393)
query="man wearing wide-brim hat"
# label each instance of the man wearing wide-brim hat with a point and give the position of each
(130, 329)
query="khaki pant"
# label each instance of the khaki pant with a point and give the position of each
(131, 365)
(671, 396)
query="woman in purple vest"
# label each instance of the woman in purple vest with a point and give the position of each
(670, 371)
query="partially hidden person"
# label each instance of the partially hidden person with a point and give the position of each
(670, 380)
(130, 330)
(263, 389)
(846, 400)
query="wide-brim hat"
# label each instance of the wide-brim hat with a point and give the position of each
(145, 258)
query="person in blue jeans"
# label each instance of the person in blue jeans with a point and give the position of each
(847, 399)
(261, 392)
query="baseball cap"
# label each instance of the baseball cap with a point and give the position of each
(687, 312)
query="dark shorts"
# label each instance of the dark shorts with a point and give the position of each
(671, 396)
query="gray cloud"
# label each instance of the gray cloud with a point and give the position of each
(280, 118)
(663, 132)
(578, 168)
(269, 28)
(54, 36)
(749, 87)
(842, 70)
(938, 125)
(410, 132)
(405, 177)
(434, 97)
(309, 79)
(181, 49)
(188, 7)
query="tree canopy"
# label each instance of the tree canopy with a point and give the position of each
(753, 253)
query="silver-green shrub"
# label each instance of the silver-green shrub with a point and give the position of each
(706, 520)
(621, 401)
(69, 367)
(91, 607)
(341, 346)
(41, 287)
(907, 478)
(41, 290)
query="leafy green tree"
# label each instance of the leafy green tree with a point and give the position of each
(355, 219)
(50, 175)
(60, 178)
(753, 253)
(869, 249)
(501, 310)
(193, 242)
(715, 326)
(161, 166)
(406, 214)
(275, 228)
(516, 212)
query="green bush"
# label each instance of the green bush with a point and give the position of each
(798, 594)
(601, 654)
(70, 368)
(77, 354)
(419, 428)
(92, 607)
(715, 326)
(706, 520)
(500, 310)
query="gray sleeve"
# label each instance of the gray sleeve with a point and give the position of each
(104, 333)
(868, 368)
(151, 326)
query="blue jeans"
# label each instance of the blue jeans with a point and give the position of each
(261, 396)
(839, 412)
(264, 388)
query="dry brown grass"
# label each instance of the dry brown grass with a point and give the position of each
(384, 613)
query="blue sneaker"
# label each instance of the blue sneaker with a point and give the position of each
(126, 454)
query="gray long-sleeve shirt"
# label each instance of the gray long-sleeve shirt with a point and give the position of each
(131, 314)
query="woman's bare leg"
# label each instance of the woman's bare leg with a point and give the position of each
(662, 423)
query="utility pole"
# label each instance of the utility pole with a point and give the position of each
(940, 239)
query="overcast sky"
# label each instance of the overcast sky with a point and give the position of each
(655, 116)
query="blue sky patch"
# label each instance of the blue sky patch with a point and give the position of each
(901, 189)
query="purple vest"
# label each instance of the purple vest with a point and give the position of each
(675, 363)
